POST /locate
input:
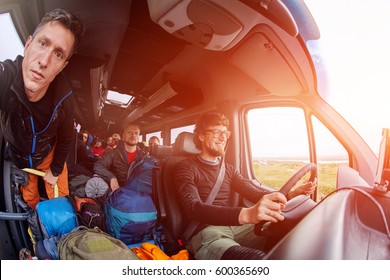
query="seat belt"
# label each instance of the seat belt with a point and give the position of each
(210, 198)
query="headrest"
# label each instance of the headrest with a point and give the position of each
(184, 145)
(161, 151)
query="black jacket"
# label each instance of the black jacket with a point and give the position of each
(114, 164)
(32, 129)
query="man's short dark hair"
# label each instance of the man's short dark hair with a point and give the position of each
(131, 123)
(206, 120)
(68, 20)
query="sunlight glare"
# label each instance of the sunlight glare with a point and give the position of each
(355, 45)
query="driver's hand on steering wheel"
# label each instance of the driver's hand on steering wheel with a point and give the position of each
(268, 208)
(306, 188)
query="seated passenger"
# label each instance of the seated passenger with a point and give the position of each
(154, 140)
(97, 148)
(85, 138)
(85, 157)
(115, 139)
(115, 163)
(109, 144)
(224, 231)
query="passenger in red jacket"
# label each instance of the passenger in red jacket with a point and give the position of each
(97, 148)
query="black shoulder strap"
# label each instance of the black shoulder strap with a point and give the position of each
(217, 185)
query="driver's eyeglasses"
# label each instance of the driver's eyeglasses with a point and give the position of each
(217, 133)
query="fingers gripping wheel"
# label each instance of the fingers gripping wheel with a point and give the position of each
(260, 228)
(311, 167)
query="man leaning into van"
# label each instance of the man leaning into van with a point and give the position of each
(224, 231)
(36, 113)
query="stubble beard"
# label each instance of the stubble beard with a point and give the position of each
(216, 152)
(131, 143)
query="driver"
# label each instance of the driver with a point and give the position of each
(220, 230)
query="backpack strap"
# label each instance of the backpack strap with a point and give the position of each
(42, 174)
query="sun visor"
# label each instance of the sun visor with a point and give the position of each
(276, 73)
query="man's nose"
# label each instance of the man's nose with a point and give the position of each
(222, 136)
(45, 59)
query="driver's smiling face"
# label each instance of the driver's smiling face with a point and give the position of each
(214, 140)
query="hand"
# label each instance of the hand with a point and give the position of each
(50, 178)
(269, 209)
(114, 184)
(306, 188)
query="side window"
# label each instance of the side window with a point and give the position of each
(10, 43)
(176, 131)
(279, 143)
(330, 156)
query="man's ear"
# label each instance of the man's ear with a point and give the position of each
(201, 137)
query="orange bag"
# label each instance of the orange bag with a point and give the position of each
(149, 251)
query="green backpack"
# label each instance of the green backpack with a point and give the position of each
(84, 243)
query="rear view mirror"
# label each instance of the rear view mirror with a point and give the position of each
(382, 179)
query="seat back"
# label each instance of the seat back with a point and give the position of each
(169, 207)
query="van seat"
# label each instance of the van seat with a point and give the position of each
(168, 204)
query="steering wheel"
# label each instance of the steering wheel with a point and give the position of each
(312, 168)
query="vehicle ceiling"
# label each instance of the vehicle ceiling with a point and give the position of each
(124, 50)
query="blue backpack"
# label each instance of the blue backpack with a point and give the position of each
(49, 222)
(140, 174)
(131, 215)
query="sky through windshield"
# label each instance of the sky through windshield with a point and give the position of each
(355, 46)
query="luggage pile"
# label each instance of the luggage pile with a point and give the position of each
(94, 223)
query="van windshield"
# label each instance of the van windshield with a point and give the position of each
(352, 60)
